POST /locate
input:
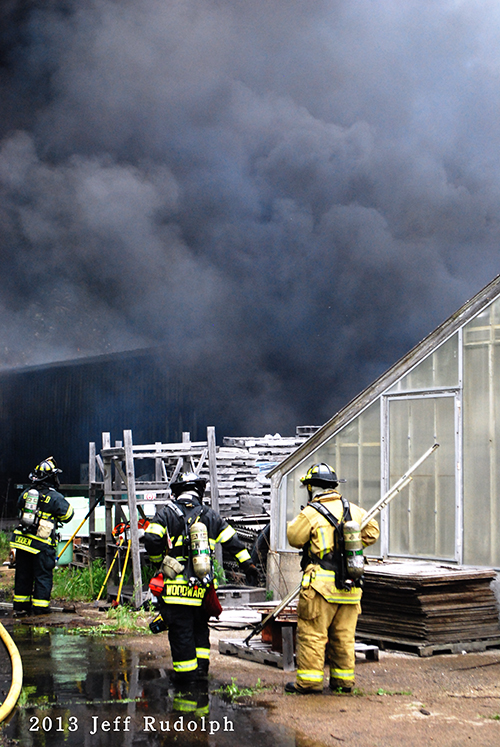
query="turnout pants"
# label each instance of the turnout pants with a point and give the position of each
(325, 626)
(189, 639)
(33, 580)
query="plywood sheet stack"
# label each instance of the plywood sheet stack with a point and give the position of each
(428, 603)
(242, 467)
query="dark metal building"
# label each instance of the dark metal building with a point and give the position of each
(58, 408)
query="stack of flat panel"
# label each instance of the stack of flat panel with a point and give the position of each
(242, 467)
(428, 603)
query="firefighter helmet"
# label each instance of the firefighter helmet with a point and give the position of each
(188, 481)
(322, 476)
(46, 468)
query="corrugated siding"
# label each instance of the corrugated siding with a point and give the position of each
(57, 410)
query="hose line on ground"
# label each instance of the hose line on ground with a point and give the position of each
(17, 674)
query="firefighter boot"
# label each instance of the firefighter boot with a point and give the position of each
(341, 687)
(202, 671)
(291, 687)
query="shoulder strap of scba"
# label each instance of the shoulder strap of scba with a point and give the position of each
(188, 517)
(339, 550)
(346, 514)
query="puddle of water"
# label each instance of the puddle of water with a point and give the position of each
(82, 691)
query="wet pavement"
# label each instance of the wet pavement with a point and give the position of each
(81, 690)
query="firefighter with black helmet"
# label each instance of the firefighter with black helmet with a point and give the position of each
(41, 508)
(181, 539)
(330, 595)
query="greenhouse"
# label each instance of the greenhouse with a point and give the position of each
(445, 390)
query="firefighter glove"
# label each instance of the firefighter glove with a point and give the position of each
(251, 574)
(171, 567)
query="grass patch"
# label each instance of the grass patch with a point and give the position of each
(382, 691)
(4, 546)
(29, 699)
(79, 584)
(219, 573)
(120, 619)
(233, 692)
(126, 619)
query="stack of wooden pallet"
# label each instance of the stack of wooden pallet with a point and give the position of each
(242, 467)
(428, 604)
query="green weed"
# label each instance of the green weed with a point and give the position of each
(29, 699)
(354, 691)
(382, 691)
(79, 584)
(219, 573)
(26, 692)
(4, 545)
(233, 692)
(127, 619)
(120, 619)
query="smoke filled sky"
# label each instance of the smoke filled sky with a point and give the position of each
(287, 195)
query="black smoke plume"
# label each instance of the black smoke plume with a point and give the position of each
(286, 195)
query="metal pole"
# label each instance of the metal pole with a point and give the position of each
(214, 486)
(382, 503)
(81, 525)
(132, 508)
(397, 487)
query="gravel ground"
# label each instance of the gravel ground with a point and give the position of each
(448, 700)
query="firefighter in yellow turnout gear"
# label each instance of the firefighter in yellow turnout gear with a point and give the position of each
(329, 601)
(167, 542)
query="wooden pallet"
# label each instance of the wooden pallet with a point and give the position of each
(262, 653)
(429, 649)
(256, 651)
(429, 608)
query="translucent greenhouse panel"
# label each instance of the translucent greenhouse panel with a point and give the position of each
(482, 437)
(422, 517)
(354, 453)
(438, 370)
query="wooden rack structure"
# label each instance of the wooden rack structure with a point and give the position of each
(116, 467)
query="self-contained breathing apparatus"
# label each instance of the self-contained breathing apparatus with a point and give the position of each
(196, 547)
(197, 569)
(346, 559)
(30, 516)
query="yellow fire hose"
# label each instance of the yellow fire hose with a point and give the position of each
(17, 674)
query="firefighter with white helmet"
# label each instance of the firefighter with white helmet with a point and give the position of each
(182, 537)
(41, 508)
(330, 595)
